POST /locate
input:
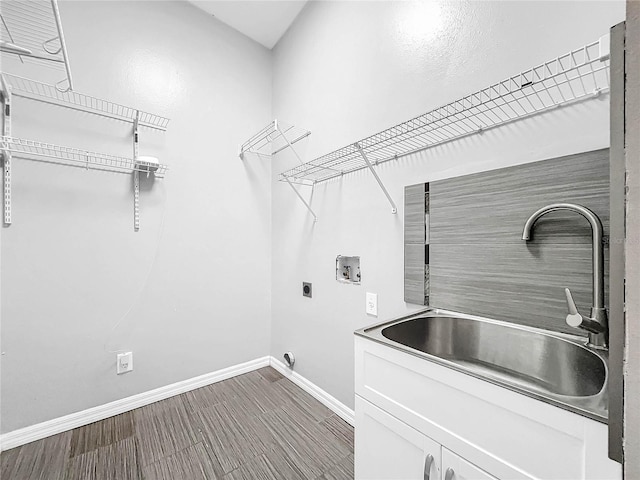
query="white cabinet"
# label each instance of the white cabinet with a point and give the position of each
(484, 431)
(387, 448)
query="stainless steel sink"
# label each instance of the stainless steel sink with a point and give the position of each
(556, 368)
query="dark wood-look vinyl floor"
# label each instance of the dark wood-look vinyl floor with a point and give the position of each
(254, 426)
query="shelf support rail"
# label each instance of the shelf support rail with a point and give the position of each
(394, 209)
(136, 176)
(6, 153)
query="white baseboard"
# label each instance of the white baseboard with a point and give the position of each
(85, 417)
(339, 408)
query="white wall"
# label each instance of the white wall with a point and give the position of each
(192, 292)
(346, 70)
(189, 293)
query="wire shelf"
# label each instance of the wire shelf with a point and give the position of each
(578, 75)
(32, 150)
(32, 30)
(32, 89)
(273, 139)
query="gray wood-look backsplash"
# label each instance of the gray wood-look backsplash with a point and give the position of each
(479, 263)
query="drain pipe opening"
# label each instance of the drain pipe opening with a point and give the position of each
(289, 359)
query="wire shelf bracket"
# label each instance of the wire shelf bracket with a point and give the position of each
(6, 153)
(297, 192)
(577, 76)
(43, 92)
(394, 209)
(306, 204)
(32, 31)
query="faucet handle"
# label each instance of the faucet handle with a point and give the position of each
(574, 319)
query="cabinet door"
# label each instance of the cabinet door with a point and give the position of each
(388, 449)
(457, 468)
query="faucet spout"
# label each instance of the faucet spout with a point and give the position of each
(598, 311)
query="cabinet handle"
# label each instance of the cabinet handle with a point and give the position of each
(428, 461)
(449, 474)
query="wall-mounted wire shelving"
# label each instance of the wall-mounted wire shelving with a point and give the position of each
(576, 76)
(10, 146)
(42, 92)
(32, 31)
(272, 139)
(76, 157)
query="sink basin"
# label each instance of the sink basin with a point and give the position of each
(553, 367)
(531, 359)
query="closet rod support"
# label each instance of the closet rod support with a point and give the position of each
(394, 209)
(315, 217)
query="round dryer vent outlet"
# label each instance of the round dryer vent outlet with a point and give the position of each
(289, 359)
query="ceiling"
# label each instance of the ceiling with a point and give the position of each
(264, 21)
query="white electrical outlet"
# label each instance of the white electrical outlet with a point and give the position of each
(124, 362)
(372, 304)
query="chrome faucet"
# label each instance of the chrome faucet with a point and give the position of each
(596, 324)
